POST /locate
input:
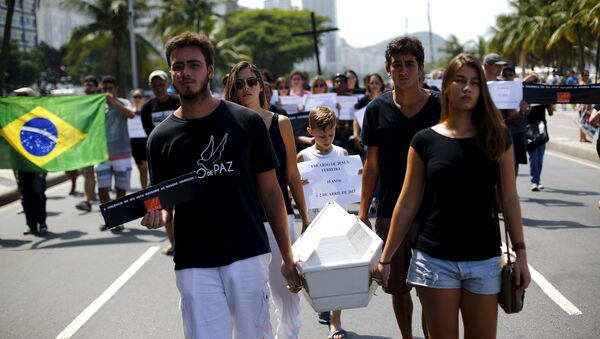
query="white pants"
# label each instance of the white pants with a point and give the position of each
(226, 302)
(287, 304)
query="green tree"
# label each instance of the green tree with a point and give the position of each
(178, 16)
(269, 33)
(102, 47)
(569, 16)
(452, 47)
(21, 68)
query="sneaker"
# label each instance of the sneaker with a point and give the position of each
(43, 229)
(324, 318)
(84, 206)
(540, 187)
(103, 227)
(534, 188)
(30, 230)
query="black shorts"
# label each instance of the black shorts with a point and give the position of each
(401, 259)
(520, 148)
(138, 149)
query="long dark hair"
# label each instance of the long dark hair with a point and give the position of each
(487, 119)
(230, 91)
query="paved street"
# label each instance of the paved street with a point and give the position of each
(82, 283)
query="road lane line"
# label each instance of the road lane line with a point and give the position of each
(84, 316)
(553, 293)
(574, 159)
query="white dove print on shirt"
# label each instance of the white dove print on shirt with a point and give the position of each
(208, 165)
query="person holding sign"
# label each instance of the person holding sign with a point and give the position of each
(322, 123)
(456, 261)
(245, 87)
(222, 251)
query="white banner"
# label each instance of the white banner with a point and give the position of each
(360, 115)
(346, 107)
(291, 103)
(506, 94)
(323, 99)
(331, 179)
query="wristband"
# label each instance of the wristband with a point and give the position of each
(518, 246)
(384, 262)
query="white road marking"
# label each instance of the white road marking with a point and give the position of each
(84, 316)
(553, 293)
(567, 157)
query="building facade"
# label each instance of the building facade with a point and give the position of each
(24, 23)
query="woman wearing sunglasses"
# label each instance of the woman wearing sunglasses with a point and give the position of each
(245, 87)
(318, 85)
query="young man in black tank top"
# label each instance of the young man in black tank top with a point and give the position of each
(390, 122)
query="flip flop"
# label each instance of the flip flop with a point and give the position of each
(338, 332)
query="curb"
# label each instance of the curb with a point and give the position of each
(52, 179)
(574, 149)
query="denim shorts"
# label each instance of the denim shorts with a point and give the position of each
(479, 277)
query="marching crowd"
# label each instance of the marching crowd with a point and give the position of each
(435, 162)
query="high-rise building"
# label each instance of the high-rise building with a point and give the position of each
(330, 41)
(55, 23)
(24, 26)
(280, 4)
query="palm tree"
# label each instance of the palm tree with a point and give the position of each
(105, 41)
(522, 35)
(178, 16)
(452, 47)
(569, 17)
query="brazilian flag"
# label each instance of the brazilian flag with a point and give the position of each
(50, 134)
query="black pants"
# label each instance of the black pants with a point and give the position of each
(33, 197)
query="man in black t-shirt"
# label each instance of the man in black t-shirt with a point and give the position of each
(390, 122)
(157, 109)
(222, 253)
(154, 111)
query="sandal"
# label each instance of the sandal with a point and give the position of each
(340, 332)
(324, 317)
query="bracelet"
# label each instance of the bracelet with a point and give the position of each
(518, 246)
(384, 262)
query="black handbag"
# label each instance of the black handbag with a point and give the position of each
(536, 134)
(511, 296)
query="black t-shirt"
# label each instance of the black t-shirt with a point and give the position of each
(227, 148)
(459, 225)
(385, 126)
(154, 112)
(279, 147)
(362, 102)
(537, 114)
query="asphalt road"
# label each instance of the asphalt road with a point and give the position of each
(82, 283)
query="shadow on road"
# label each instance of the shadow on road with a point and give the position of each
(554, 224)
(352, 335)
(552, 202)
(12, 243)
(570, 192)
(124, 237)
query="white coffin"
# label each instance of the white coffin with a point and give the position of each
(335, 256)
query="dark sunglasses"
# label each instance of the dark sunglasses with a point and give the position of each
(240, 83)
(138, 96)
(319, 85)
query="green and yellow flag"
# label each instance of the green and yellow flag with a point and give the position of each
(49, 134)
